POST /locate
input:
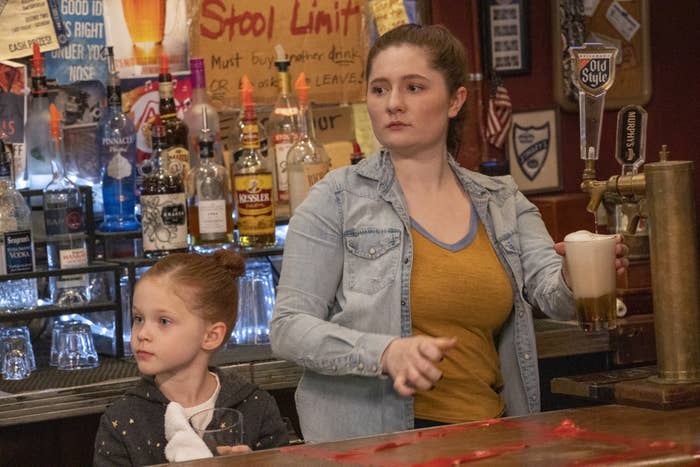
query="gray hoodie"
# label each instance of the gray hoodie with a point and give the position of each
(132, 430)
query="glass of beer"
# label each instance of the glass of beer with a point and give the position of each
(145, 20)
(590, 263)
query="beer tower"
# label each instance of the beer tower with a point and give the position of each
(665, 195)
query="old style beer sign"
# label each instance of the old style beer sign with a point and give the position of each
(594, 68)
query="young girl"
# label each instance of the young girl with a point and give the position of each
(184, 309)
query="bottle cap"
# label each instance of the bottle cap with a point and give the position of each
(282, 61)
(302, 89)
(246, 92)
(55, 122)
(164, 68)
(37, 61)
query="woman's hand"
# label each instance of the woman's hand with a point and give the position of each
(621, 260)
(239, 449)
(410, 362)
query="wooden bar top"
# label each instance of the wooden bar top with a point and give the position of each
(601, 435)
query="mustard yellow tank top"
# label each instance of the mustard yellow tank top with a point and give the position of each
(460, 290)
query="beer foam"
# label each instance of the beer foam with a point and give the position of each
(585, 236)
(590, 261)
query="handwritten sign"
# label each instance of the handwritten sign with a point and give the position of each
(22, 24)
(80, 59)
(324, 38)
(388, 14)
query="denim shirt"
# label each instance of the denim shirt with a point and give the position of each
(344, 295)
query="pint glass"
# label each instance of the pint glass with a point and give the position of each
(590, 262)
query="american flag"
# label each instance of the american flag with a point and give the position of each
(499, 117)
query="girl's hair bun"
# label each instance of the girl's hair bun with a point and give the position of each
(231, 261)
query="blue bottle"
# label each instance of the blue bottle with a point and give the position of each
(118, 160)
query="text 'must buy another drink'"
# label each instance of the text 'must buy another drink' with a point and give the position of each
(590, 261)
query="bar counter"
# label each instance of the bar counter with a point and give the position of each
(86, 392)
(605, 435)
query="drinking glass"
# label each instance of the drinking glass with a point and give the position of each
(590, 263)
(218, 427)
(16, 354)
(22, 333)
(76, 348)
(256, 300)
(56, 329)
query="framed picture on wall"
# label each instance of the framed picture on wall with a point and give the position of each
(533, 151)
(505, 36)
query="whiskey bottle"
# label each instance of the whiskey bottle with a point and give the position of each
(163, 203)
(209, 199)
(283, 127)
(253, 182)
(307, 160)
(176, 158)
(64, 217)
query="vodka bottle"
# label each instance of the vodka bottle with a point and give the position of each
(307, 161)
(118, 160)
(163, 203)
(193, 117)
(16, 246)
(283, 128)
(64, 217)
(253, 182)
(209, 200)
(176, 158)
(37, 133)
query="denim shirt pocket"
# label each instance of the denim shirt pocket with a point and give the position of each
(371, 257)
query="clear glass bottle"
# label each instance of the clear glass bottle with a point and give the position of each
(253, 182)
(177, 156)
(307, 160)
(283, 129)
(193, 117)
(209, 199)
(118, 160)
(16, 245)
(37, 134)
(163, 203)
(64, 217)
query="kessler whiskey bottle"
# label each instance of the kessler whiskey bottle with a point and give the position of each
(253, 182)
(163, 204)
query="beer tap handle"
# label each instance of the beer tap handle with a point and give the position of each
(630, 145)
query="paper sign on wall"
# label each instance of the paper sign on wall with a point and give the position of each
(324, 38)
(22, 24)
(388, 14)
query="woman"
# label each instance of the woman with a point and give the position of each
(408, 282)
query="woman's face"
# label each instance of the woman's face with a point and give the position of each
(408, 101)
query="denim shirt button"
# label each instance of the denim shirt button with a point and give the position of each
(405, 261)
(374, 368)
(403, 302)
(360, 366)
(527, 356)
(521, 314)
(372, 251)
(335, 368)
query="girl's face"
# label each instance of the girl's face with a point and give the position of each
(408, 101)
(165, 336)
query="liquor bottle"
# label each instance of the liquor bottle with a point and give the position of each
(307, 160)
(209, 200)
(357, 154)
(193, 117)
(118, 160)
(64, 217)
(37, 132)
(163, 203)
(16, 246)
(176, 158)
(283, 127)
(253, 182)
